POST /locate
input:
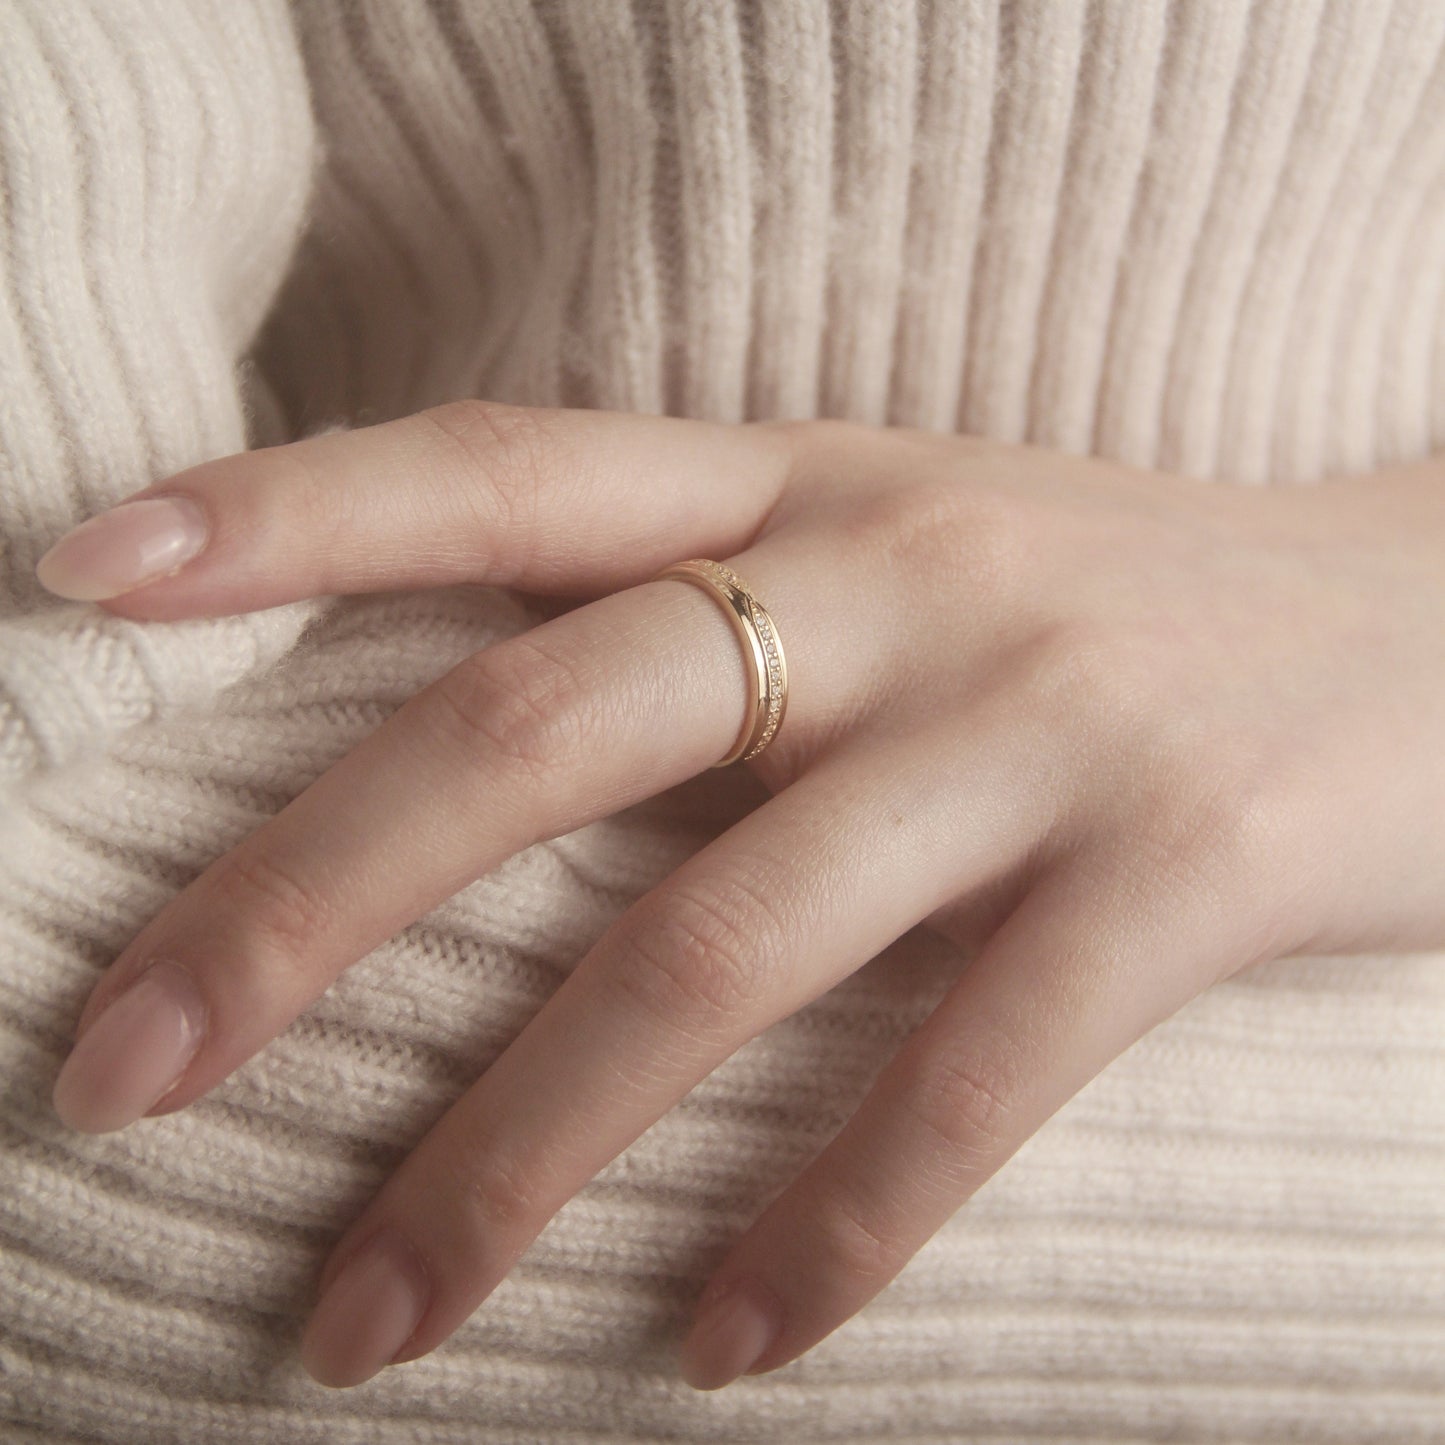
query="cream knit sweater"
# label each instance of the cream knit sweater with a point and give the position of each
(1204, 235)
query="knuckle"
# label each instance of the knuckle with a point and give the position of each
(496, 1195)
(1209, 802)
(516, 703)
(699, 958)
(504, 454)
(492, 433)
(304, 502)
(1185, 798)
(853, 1240)
(1099, 677)
(273, 899)
(929, 530)
(1223, 844)
(962, 1097)
(1238, 836)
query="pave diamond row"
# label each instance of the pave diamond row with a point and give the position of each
(768, 640)
(775, 681)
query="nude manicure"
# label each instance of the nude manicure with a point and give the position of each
(367, 1314)
(132, 1053)
(729, 1338)
(117, 550)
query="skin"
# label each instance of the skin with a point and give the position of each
(1119, 732)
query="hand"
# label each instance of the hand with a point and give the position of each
(1122, 732)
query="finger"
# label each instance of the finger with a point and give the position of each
(555, 500)
(1078, 972)
(792, 898)
(528, 739)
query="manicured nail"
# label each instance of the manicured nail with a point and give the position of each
(368, 1313)
(730, 1335)
(133, 1052)
(116, 550)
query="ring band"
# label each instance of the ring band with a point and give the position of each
(762, 650)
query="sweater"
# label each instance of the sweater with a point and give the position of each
(1206, 236)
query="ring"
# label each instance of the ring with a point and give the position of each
(762, 650)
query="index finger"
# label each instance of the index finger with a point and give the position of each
(548, 499)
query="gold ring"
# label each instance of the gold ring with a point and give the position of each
(762, 650)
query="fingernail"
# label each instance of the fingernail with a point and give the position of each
(116, 550)
(133, 1053)
(730, 1336)
(368, 1313)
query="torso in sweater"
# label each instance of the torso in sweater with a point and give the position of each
(1200, 236)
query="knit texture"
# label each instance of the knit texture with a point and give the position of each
(1208, 237)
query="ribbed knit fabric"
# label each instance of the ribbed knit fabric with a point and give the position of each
(1202, 236)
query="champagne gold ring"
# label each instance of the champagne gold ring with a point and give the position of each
(762, 651)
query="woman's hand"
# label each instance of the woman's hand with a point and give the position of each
(1122, 732)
